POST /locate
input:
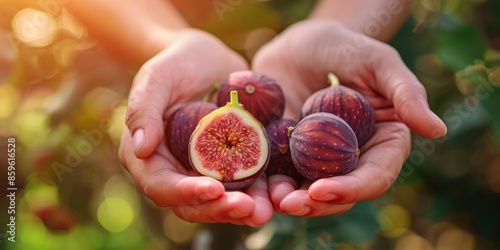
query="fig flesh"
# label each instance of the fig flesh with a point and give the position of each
(259, 94)
(229, 145)
(323, 145)
(181, 125)
(347, 103)
(280, 160)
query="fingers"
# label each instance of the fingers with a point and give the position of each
(159, 178)
(377, 169)
(299, 203)
(195, 198)
(287, 199)
(374, 67)
(147, 102)
(263, 211)
(251, 208)
(183, 72)
(396, 82)
(232, 207)
(279, 187)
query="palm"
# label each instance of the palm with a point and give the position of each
(173, 77)
(300, 59)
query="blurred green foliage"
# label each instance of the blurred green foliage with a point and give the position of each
(64, 100)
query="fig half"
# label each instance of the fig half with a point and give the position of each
(229, 145)
(259, 94)
(347, 103)
(323, 145)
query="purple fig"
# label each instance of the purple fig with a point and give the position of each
(323, 145)
(346, 103)
(280, 161)
(181, 125)
(259, 94)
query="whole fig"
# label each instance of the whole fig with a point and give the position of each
(181, 125)
(259, 94)
(280, 161)
(323, 145)
(346, 103)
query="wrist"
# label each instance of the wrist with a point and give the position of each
(379, 19)
(156, 40)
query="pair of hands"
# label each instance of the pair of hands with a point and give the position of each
(299, 59)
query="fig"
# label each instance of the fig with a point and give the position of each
(56, 218)
(347, 103)
(280, 160)
(181, 125)
(323, 145)
(259, 94)
(230, 145)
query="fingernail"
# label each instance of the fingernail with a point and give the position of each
(208, 190)
(138, 139)
(328, 197)
(304, 211)
(441, 128)
(236, 214)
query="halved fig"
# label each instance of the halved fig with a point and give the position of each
(259, 94)
(347, 103)
(181, 125)
(230, 145)
(323, 145)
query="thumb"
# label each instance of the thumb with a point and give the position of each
(408, 96)
(147, 102)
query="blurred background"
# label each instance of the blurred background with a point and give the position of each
(64, 100)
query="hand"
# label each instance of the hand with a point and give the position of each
(184, 72)
(300, 59)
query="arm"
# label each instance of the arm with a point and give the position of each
(178, 64)
(133, 30)
(333, 39)
(379, 19)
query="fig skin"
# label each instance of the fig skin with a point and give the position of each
(56, 218)
(323, 145)
(280, 160)
(230, 145)
(259, 94)
(347, 103)
(181, 125)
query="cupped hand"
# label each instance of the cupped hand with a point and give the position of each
(300, 59)
(185, 71)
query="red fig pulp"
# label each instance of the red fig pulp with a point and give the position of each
(230, 145)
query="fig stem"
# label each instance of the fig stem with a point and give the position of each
(233, 98)
(290, 130)
(333, 79)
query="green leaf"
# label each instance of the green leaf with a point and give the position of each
(485, 92)
(459, 46)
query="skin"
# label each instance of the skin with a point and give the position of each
(383, 155)
(195, 199)
(325, 44)
(360, 15)
(177, 66)
(133, 32)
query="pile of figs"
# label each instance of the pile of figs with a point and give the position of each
(243, 133)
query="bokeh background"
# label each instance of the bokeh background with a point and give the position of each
(64, 100)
